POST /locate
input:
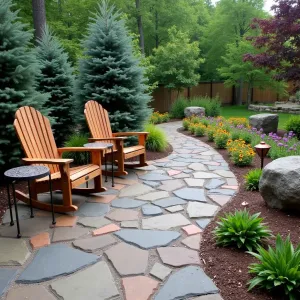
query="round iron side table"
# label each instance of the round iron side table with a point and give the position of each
(26, 173)
(98, 145)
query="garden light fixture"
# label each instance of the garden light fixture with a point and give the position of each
(262, 150)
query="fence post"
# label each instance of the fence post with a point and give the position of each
(188, 92)
(211, 89)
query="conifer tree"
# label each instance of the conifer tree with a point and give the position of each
(57, 79)
(110, 73)
(19, 68)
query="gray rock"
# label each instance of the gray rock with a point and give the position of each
(147, 239)
(194, 111)
(127, 203)
(187, 282)
(151, 210)
(192, 194)
(171, 201)
(279, 183)
(6, 277)
(267, 122)
(53, 261)
(92, 210)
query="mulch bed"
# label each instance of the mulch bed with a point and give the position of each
(229, 266)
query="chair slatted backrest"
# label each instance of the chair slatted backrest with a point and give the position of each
(97, 119)
(35, 134)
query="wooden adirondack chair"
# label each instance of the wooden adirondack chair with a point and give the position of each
(100, 128)
(36, 137)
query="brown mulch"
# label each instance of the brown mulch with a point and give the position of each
(229, 266)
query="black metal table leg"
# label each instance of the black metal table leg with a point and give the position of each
(112, 167)
(51, 198)
(16, 209)
(9, 205)
(30, 200)
(105, 162)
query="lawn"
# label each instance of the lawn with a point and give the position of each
(242, 111)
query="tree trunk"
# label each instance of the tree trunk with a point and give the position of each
(39, 17)
(140, 26)
(240, 91)
(249, 94)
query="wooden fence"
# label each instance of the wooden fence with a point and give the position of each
(163, 97)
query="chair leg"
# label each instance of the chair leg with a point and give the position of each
(66, 185)
(143, 160)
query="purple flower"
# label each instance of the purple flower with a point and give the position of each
(285, 139)
(280, 144)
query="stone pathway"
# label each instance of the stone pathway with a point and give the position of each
(137, 241)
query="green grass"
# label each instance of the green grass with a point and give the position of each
(242, 111)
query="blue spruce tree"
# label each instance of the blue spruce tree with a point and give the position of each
(18, 69)
(110, 73)
(57, 79)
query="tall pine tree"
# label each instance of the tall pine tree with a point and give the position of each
(111, 74)
(56, 78)
(19, 68)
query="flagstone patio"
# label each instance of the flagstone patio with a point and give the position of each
(139, 240)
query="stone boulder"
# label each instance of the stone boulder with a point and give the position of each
(194, 111)
(279, 184)
(268, 122)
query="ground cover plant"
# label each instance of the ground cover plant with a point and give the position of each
(252, 179)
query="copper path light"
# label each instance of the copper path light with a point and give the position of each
(262, 150)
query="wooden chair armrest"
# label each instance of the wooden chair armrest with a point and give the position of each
(79, 149)
(119, 134)
(107, 139)
(48, 161)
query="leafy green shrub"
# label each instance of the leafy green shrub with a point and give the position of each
(212, 106)
(235, 134)
(221, 137)
(157, 118)
(195, 120)
(241, 230)
(279, 268)
(177, 108)
(210, 133)
(192, 128)
(77, 140)
(156, 140)
(293, 124)
(186, 123)
(165, 117)
(240, 153)
(200, 129)
(246, 136)
(252, 179)
(204, 122)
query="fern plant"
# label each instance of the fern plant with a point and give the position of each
(252, 179)
(278, 269)
(241, 230)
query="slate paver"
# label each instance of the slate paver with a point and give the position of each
(175, 208)
(221, 192)
(45, 266)
(92, 210)
(193, 241)
(187, 282)
(170, 201)
(13, 252)
(173, 172)
(232, 181)
(220, 199)
(198, 210)
(66, 221)
(130, 224)
(210, 297)
(225, 173)
(191, 229)
(127, 203)
(151, 210)
(191, 194)
(181, 176)
(171, 185)
(106, 229)
(6, 277)
(139, 287)
(94, 222)
(165, 222)
(67, 234)
(160, 271)
(133, 260)
(40, 240)
(155, 177)
(205, 175)
(193, 182)
(202, 223)
(231, 187)
(120, 214)
(153, 184)
(32, 292)
(214, 183)
(147, 239)
(101, 199)
(135, 190)
(23, 213)
(94, 283)
(95, 243)
(197, 167)
(178, 256)
(154, 196)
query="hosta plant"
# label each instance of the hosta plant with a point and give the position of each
(241, 230)
(252, 179)
(278, 268)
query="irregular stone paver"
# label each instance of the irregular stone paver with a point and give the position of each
(214, 183)
(225, 173)
(147, 239)
(180, 176)
(40, 240)
(23, 213)
(154, 196)
(192, 242)
(160, 271)
(153, 184)
(101, 199)
(192, 182)
(220, 199)
(6, 277)
(232, 181)
(191, 194)
(13, 252)
(106, 229)
(120, 214)
(139, 287)
(222, 192)
(210, 297)
(205, 175)
(231, 187)
(127, 259)
(92, 210)
(95, 243)
(191, 229)
(197, 167)
(45, 266)
(175, 164)
(203, 222)
(93, 283)
(151, 210)
(173, 172)
(130, 224)
(125, 181)
(171, 185)
(175, 208)
(67, 234)
(94, 222)
(155, 177)
(33, 292)
(171, 201)
(127, 203)
(165, 222)
(66, 221)
(135, 190)
(198, 210)
(187, 282)
(178, 256)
